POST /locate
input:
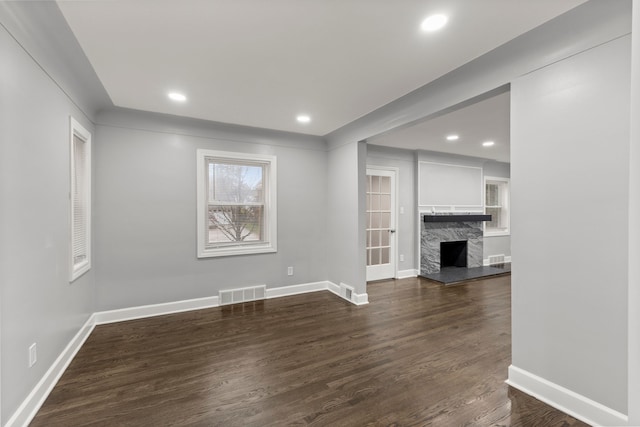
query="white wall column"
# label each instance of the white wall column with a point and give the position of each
(634, 226)
(570, 190)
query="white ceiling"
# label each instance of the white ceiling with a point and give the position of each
(486, 120)
(260, 63)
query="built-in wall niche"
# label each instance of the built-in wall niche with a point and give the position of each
(449, 187)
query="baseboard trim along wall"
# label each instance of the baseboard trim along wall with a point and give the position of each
(572, 403)
(140, 312)
(405, 274)
(488, 261)
(347, 292)
(286, 291)
(30, 406)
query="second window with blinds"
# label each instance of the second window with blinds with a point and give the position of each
(237, 212)
(80, 198)
(497, 205)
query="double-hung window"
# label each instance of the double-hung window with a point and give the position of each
(497, 205)
(236, 203)
(80, 197)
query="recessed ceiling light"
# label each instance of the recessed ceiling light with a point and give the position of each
(434, 22)
(488, 143)
(303, 118)
(176, 96)
(452, 137)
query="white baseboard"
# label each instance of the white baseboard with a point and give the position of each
(357, 299)
(285, 291)
(31, 405)
(333, 288)
(360, 299)
(485, 262)
(140, 312)
(405, 274)
(572, 403)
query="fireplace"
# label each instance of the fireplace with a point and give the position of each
(440, 231)
(453, 254)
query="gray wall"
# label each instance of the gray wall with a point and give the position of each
(406, 233)
(634, 227)
(38, 305)
(145, 204)
(569, 283)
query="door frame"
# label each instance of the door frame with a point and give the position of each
(393, 238)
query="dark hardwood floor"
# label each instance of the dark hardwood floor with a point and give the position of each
(420, 354)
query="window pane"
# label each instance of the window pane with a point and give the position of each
(79, 201)
(375, 202)
(496, 218)
(375, 256)
(368, 202)
(375, 220)
(375, 238)
(385, 220)
(235, 183)
(385, 256)
(375, 184)
(384, 241)
(385, 184)
(385, 202)
(492, 195)
(368, 256)
(229, 224)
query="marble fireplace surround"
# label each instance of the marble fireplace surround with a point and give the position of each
(450, 228)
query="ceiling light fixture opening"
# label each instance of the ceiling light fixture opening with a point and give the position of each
(452, 137)
(488, 143)
(303, 118)
(434, 22)
(176, 96)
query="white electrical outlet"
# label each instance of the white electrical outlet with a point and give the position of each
(290, 271)
(401, 257)
(401, 210)
(33, 355)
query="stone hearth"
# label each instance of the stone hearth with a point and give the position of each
(434, 232)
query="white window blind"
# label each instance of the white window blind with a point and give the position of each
(497, 205)
(79, 202)
(80, 198)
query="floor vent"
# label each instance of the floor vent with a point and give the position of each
(496, 259)
(346, 292)
(235, 296)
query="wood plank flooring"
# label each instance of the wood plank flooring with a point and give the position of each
(420, 354)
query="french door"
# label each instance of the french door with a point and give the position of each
(381, 220)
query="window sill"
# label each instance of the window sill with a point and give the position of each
(78, 270)
(213, 253)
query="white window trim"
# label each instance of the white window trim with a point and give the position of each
(77, 130)
(270, 205)
(507, 232)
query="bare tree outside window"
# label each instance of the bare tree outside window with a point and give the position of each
(236, 202)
